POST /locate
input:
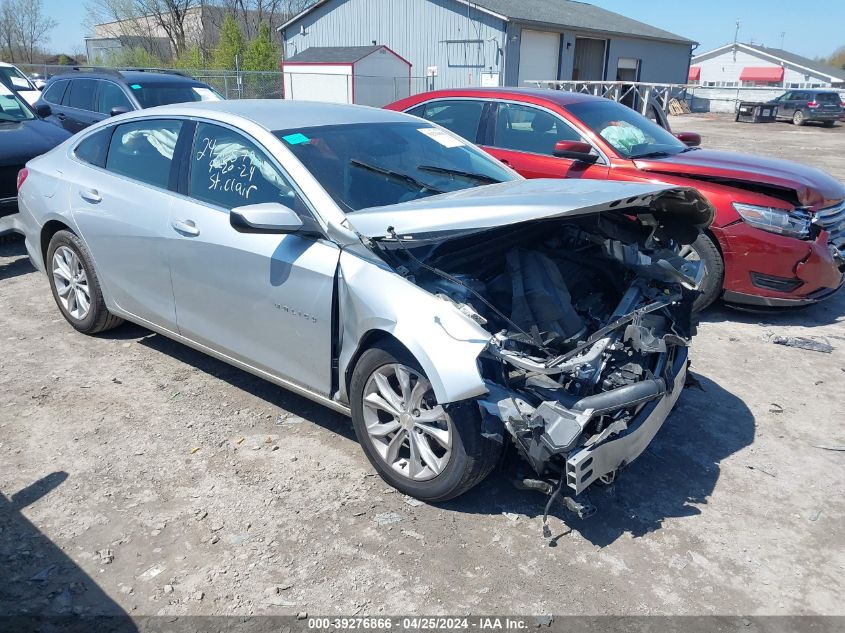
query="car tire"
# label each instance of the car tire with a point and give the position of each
(704, 249)
(72, 279)
(798, 118)
(470, 458)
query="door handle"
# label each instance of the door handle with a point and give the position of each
(185, 227)
(61, 117)
(90, 195)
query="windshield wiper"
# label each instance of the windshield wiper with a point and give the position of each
(657, 154)
(457, 172)
(395, 175)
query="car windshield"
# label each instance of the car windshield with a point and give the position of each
(379, 164)
(14, 78)
(151, 94)
(12, 108)
(628, 132)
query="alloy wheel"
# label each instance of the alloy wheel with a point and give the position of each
(71, 283)
(410, 432)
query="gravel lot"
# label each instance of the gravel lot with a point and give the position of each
(139, 476)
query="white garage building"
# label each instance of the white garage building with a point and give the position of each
(749, 65)
(454, 43)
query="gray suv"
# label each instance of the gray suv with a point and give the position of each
(81, 98)
(805, 106)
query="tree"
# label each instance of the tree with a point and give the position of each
(230, 46)
(24, 28)
(261, 53)
(838, 58)
(191, 58)
(145, 22)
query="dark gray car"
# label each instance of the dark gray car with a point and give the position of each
(78, 99)
(809, 105)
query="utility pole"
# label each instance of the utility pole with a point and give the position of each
(782, 38)
(736, 38)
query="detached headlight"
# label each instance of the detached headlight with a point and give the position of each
(780, 221)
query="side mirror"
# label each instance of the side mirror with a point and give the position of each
(119, 110)
(43, 110)
(576, 150)
(690, 139)
(268, 217)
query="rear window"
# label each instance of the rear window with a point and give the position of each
(828, 97)
(151, 94)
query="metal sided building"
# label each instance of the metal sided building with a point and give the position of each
(454, 43)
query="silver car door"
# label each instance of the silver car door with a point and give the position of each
(263, 299)
(122, 207)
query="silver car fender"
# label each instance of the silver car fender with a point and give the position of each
(445, 342)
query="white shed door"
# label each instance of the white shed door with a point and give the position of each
(539, 55)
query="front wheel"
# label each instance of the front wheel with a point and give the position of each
(423, 449)
(75, 285)
(704, 249)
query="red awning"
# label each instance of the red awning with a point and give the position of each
(695, 73)
(762, 73)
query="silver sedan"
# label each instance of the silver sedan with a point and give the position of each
(384, 267)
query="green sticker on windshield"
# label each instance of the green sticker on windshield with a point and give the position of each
(135, 86)
(296, 139)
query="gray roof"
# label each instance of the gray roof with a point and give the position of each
(798, 60)
(576, 15)
(559, 13)
(779, 55)
(333, 54)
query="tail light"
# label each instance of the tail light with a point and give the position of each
(812, 104)
(22, 174)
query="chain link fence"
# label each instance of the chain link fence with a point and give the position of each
(234, 84)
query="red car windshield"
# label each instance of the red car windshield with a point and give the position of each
(628, 132)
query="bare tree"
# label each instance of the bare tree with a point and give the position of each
(24, 28)
(146, 22)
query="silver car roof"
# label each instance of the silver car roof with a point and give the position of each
(278, 114)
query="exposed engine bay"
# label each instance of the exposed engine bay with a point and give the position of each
(589, 320)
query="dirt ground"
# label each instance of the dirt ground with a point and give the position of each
(138, 476)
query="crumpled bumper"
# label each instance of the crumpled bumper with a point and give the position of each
(588, 464)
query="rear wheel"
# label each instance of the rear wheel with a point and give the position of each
(419, 447)
(798, 118)
(75, 286)
(704, 249)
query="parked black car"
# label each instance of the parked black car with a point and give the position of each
(23, 135)
(809, 105)
(80, 98)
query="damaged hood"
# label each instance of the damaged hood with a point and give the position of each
(812, 186)
(503, 204)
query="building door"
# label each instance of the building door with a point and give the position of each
(539, 55)
(589, 59)
(628, 70)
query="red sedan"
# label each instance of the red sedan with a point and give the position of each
(779, 234)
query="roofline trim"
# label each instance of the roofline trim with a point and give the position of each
(320, 3)
(576, 30)
(770, 55)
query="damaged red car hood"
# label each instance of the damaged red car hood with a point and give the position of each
(814, 188)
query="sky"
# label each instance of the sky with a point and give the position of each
(709, 22)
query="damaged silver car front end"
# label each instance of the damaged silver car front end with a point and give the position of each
(588, 315)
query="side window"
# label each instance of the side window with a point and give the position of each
(526, 129)
(417, 111)
(54, 92)
(228, 170)
(144, 150)
(111, 96)
(461, 117)
(93, 150)
(81, 94)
